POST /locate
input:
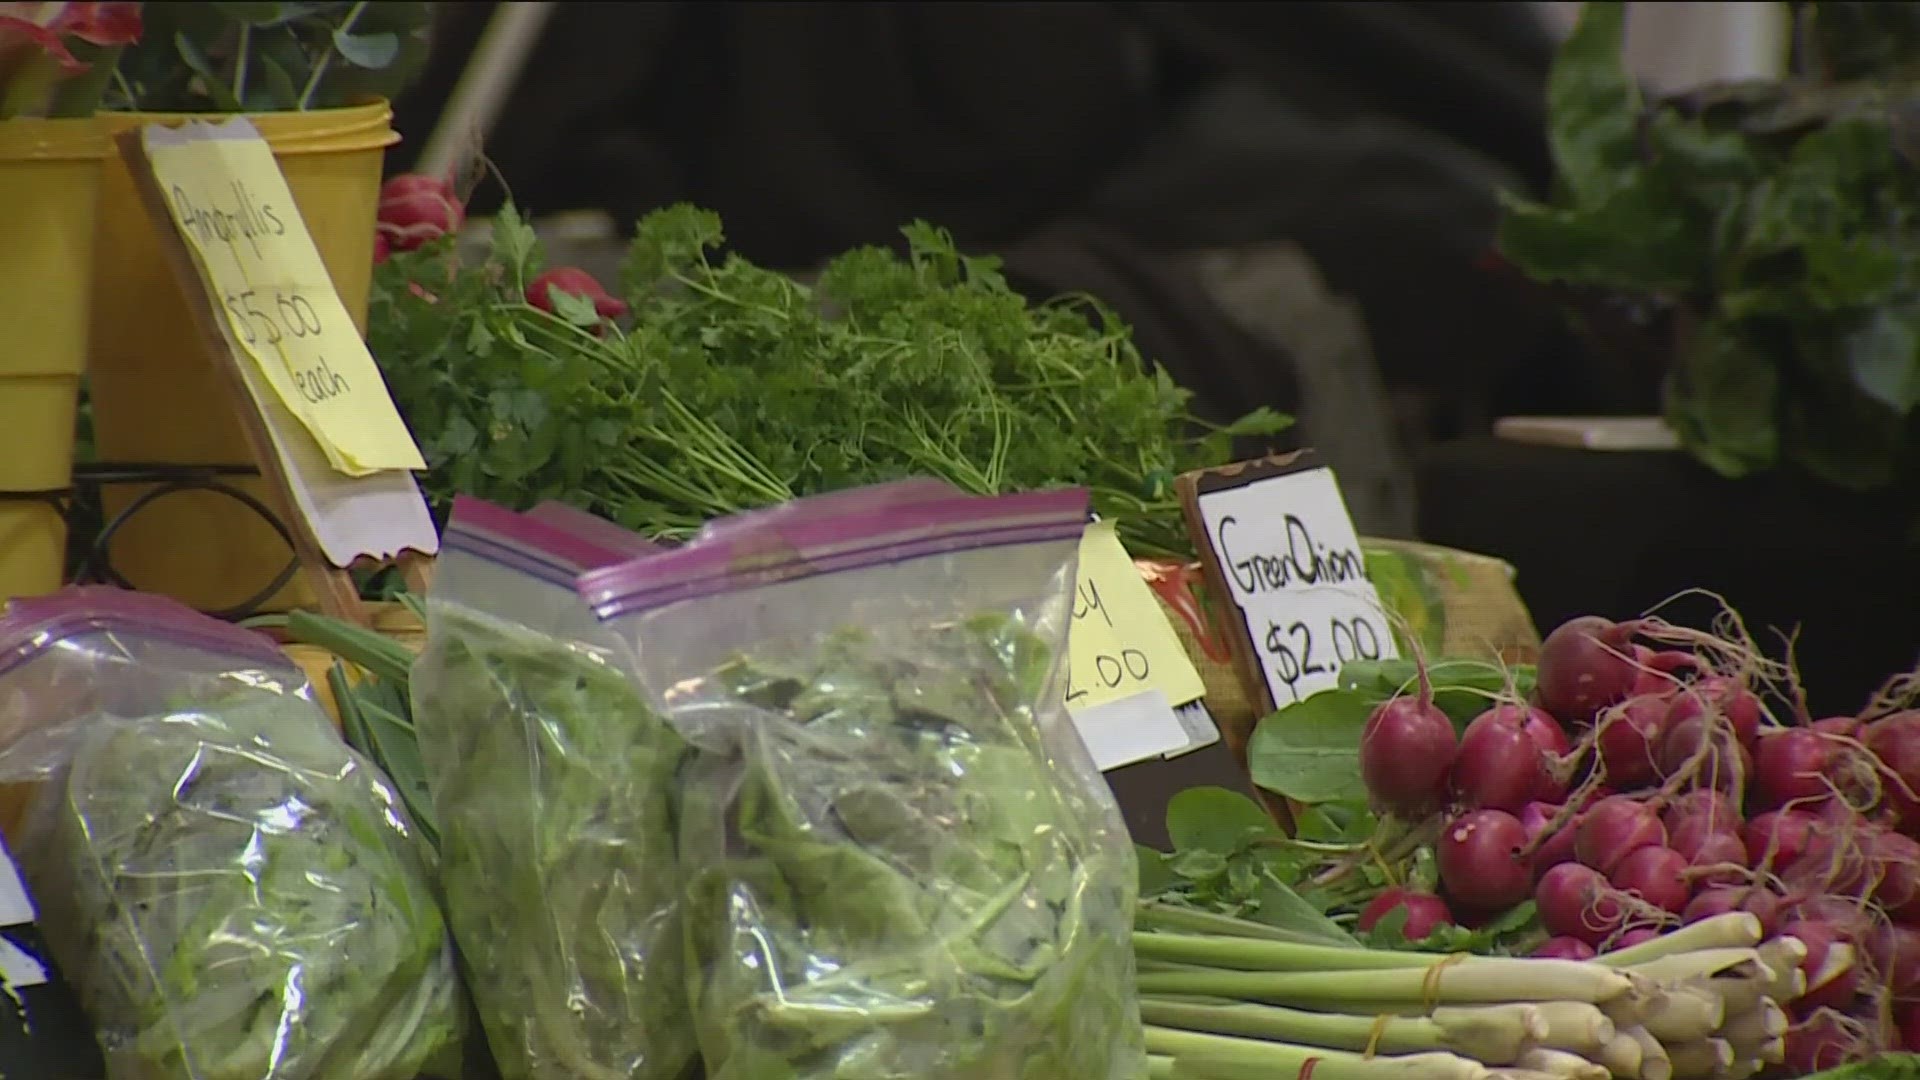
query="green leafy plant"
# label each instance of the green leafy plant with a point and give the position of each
(1778, 222)
(731, 386)
(270, 57)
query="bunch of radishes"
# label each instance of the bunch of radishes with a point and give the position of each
(1648, 785)
(416, 210)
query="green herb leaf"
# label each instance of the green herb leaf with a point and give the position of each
(1310, 751)
(1215, 819)
(1722, 400)
(1593, 105)
(1282, 908)
(1884, 357)
(370, 51)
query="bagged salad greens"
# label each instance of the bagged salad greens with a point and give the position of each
(900, 861)
(243, 897)
(551, 782)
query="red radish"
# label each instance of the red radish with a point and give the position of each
(574, 282)
(1792, 765)
(1711, 757)
(1575, 901)
(1838, 991)
(1847, 727)
(1656, 875)
(1906, 1017)
(1613, 829)
(1499, 765)
(1895, 952)
(1704, 846)
(1547, 733)
(1478, 855)
(1895, 880)
(1834, 859)
(382, 248)
(1843, 918)
(1720, 812)
(415, 209)
(1657, 669)
(1585, 665)
(1819, 1043)
(1565, 948)
(1895, 740)
(1627, 737)
(1406, 753)
(1638, 935)
(1720, 696)
(1778, 838)
(1425, 912)
(1762, 904)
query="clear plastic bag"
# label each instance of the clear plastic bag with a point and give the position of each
(551, 782)
(901, 861)
(234, 894)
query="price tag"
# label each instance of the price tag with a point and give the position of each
(1290, 558)
(233, 209)
(1120, 643)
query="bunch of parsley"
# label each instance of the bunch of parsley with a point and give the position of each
(1778, 221)
(731, 386)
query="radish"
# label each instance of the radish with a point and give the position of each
(1656, 875)
(1637, 936)
(1718, 810)
(1575, 901)
(1792, 765)
(1406, 753)
(1556, 848)
(1895, 875)
(1895, 740)
(574, 282)
(1499, 765)
(1585, 665)
(1703, 846)
(1547, 733)
(1710, 756)
(1762, 904)
(1627, 736)
(1895, 952)
(1479, 858)
(1717, 695)
(1613, 829)
(1819, 1043)
(1837, 992)
(1842, 917)
(415, 209)
(1907, 1019)
(1565, 948)
(1778, 838)
(382, 248)
(1425, 912)
(1834, 859)
(1847, 727)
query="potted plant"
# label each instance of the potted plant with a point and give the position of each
(314, 78)
(1775, 224)
(54, 61)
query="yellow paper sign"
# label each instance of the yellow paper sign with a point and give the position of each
(1120, 642)
(232, 207)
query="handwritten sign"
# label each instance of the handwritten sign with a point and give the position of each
(1290, 559)
(1120, 643)
(233, 209)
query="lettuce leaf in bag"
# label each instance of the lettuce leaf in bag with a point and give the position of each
(242, 900)
(888, 880)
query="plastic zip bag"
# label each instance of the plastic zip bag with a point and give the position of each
(239, 895)
(550, 781)
(901, 861)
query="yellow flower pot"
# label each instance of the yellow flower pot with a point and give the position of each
(49, 179)
(157, 398)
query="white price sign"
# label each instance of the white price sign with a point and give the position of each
(1292, 563)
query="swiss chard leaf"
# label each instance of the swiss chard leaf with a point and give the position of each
(1593, 106)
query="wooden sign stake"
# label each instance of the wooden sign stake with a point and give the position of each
(333, 585)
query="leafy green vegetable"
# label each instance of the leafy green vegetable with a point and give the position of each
(737, 387)
(887, 876)
(1310, 751)
(1882, 1067)
(241, 900)
(552, 782)
(1778, 222)
(1513, 934)
(1230, 859)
